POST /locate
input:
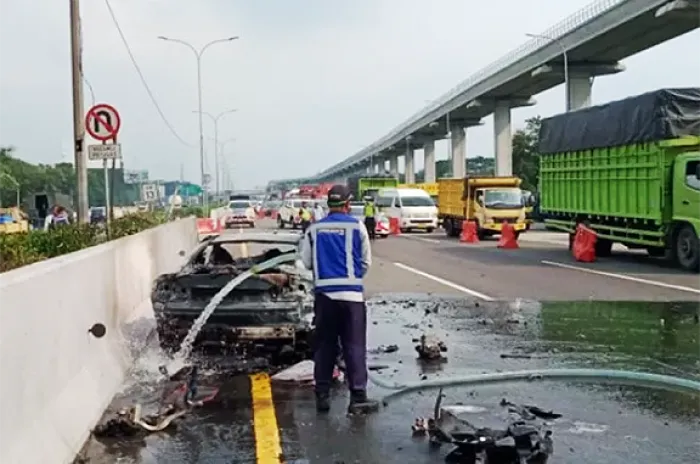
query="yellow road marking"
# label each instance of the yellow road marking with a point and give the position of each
(244, 247)
(268, 448)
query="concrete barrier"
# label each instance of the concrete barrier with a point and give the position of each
(56, 379)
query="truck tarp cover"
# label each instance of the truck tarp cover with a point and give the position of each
(658, 115)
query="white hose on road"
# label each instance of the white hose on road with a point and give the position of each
(642, 379)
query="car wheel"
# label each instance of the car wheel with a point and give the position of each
(252, 224)
(430, 230)
(280, 223)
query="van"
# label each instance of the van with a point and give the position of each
(414, 208)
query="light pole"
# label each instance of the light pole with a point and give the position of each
(198, 55)
(215, 120)
(566, 65)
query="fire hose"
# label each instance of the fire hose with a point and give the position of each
(642, 379)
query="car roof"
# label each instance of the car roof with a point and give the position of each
(291, 238)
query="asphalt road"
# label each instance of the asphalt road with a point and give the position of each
(490, 303)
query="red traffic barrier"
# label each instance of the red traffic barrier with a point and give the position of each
(394, 227)
(469, 233)
(583, 248)
(508, 239)
(207, 226)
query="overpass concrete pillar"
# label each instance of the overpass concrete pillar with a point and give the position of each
(458, 138)
(503, 140)
(429, 162)
(394, 165)
(379, 167)
(409, 167)
(578, 92)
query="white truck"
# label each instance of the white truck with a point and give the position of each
(288, 214)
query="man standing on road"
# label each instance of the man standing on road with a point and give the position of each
(370, 213)
(305, 217)
(337, 250)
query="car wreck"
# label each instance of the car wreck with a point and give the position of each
(269, 314)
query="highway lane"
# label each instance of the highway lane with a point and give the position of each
(256, 421)
(541, 269)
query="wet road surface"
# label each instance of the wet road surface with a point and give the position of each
(253, 420)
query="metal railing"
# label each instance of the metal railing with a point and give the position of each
(559, 30)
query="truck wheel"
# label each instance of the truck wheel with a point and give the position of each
(687, 249)
(447, 227)
(603, 248)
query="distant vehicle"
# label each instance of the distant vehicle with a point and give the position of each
(488, 201)
(413, 208)
(369, 185)
(239, 212)
(289, 212)
(285, 294)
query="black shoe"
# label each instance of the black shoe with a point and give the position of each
(360, 404)
(323, 402)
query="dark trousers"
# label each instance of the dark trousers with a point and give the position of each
(371, 225)
(345, 321)
(305, 225)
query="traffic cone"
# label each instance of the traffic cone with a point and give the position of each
(273, 214)
(583, 248)
(508, 239)
(394, 227)
(469, 233)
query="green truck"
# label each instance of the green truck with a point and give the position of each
(630, 170)
(369, 184)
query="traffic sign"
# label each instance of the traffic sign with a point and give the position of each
(207, 179)
(149, 192)
(135, 177)
(102, 122)
(106, 151)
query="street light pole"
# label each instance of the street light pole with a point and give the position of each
(198, 56)
(567, 91)
(215, 120)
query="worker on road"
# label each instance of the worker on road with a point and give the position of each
(337, 250)
(370, 213)
(305, 217)
(318, 212)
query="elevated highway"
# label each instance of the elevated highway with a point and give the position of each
(588, 44)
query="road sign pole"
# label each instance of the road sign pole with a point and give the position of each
(111, 184)
(82, 205)
(105, 167)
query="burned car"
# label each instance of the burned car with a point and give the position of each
(270, 313)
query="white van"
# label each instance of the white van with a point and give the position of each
(412, 207)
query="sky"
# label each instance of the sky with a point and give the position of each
(313, 81)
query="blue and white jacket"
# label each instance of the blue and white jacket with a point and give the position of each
(337, 250)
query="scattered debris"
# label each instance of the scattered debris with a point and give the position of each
(515, 356)
(180, 395)
(303, 373)
(385, 349)
(430, 348)
(523, 440)
(420, 427)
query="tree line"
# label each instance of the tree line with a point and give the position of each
(57, 180)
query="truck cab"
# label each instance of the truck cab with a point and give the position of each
(685, 199)
(496, 205)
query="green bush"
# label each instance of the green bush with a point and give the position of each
(17, 250)
(187, 211)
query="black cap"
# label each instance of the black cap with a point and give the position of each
(338, 195)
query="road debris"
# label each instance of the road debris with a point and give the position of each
(303, 373)
(523, 439)
(430, 348)
(384, 349)
(180, 395)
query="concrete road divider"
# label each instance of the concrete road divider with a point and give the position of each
(56, 375)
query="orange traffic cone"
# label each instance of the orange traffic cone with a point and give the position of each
(583, 248)
(394, 227)
(273, 214)
(508, 239)
(469, 233)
